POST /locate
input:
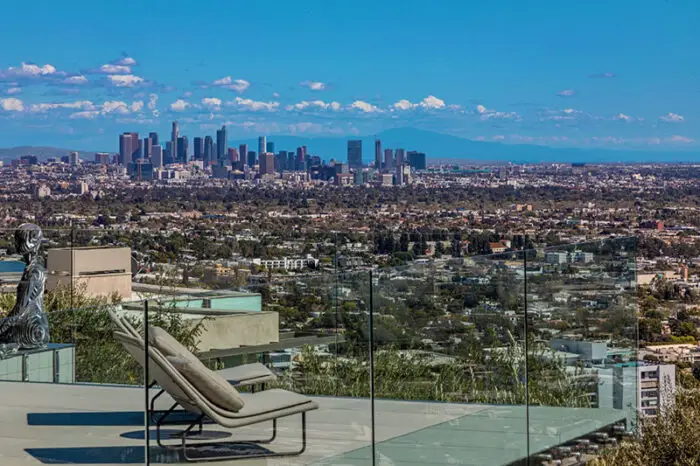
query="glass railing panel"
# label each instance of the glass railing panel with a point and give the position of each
(582, 346)
(280, 338)
(82, 396)
(449, 361)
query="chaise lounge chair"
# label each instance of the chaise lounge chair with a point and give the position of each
(204, 393)
(254, 375)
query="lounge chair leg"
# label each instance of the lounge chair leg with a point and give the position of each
(153, 403)
(186, 451)
(161, 421)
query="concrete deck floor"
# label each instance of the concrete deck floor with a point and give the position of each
(103, 425)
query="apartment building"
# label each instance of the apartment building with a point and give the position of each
(650, 388)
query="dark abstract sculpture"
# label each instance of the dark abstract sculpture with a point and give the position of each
(26, 326)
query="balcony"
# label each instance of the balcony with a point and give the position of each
(445, 362)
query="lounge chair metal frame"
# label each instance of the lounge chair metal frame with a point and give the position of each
(199, 422)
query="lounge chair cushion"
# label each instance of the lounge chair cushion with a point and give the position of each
(210, 384)
(168, 345)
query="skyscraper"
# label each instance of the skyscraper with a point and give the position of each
(221, 145)
(301, 158)
(267, 163)
(355, 153)
(208, 151)
(377, 154)
(251, 158)
(128, 147)
(400, 157)
(173, 141)
(388, 159)
(147, 147)
(198, 148)
(270, 147)
(232, 156)
(154, 138)
(157, 156)
(182, 149)
(416, 159)
(243, 154)
(168, 155)
(262, 144)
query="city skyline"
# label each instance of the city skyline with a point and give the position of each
(594, 77)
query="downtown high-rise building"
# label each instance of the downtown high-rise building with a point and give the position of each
(153, 136)
(355, 153)
(388, 159)
(301, 159)
(400, 157)
(221, 145)
(198, 148)
(147, 148)
(252, 158)
(128, 147)
(243, 154)
(173, 141)
(416, 159)
(267, 163)
(232, 156)
(208, 151)
(157, 156)
(377, 154)
(168, 156)
(270, 147)
(182, 149)
(262, 144)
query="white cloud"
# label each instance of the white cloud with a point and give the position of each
(14, 90)
(28, 70)
(79, 105)
(115, 106)
(152, 104)
(80, 79)
(211, 102)
(430, 102)
(254, 105)
(365, 106)
(12, 104)
(488, 114)
(304, 104)
(179, 105)
(275, 94)
(127, 80)
(313, 85)
(126, 61)
(672, 118)
(680, 139)
(86, 115)
(114, 69)
(566, 93)
(238, 85)
(623, 117)
(136, 106)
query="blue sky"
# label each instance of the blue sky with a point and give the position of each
(615, 74)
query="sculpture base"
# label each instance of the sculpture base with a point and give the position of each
(54, 364)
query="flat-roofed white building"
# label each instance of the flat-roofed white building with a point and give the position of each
(99, 271)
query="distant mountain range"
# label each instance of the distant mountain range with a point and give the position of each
(437, 146)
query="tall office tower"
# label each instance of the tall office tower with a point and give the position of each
(138, 153)
(221, 145)
(355, 153)
(262, 144)
(198, 148)
(270, 147)
(74, 158)
(232, 156)
(388, 159)
(157, 156)
(182, 149)
(124, 149)
(208, 151)
(168, 155)
(400, 157)
(173, 141)
(301, 158)
(377, 154)
(281, 161)
(267, 163)
(154, 138)
(147, 147)
(251, 158)
(291, 161)
(102, 158)
(243, 153)
(416, 159)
